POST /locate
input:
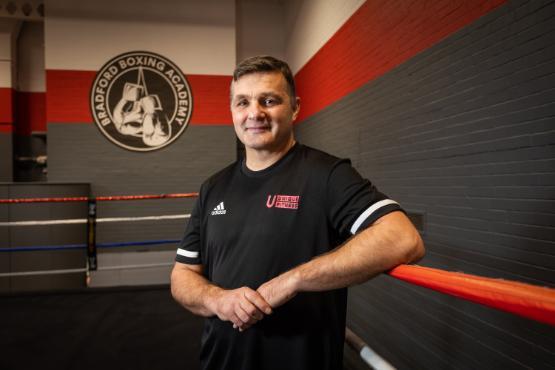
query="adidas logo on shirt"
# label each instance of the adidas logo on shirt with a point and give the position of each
(219, 210)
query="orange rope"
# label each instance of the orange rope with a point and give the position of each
(530, 301)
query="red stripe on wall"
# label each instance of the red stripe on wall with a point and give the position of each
(6, 128)
(6, 104)
(379, 36)
(30, 114)
(67, 98)
(210, 99)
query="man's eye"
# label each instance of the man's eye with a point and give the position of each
(269, 101)
(242, 103)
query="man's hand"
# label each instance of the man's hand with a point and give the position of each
(280, 289)
(243, 307)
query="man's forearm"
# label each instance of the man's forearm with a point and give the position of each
(193, 291)
(371, 252)
(389, 242)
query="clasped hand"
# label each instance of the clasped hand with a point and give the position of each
(244, 306)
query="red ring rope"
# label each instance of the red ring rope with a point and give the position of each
(530, 301)
(100, 198)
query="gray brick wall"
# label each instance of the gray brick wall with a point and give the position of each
(80, 153)
(464, 133)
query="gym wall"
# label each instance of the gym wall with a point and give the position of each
(445, 105)
(260, 28)
(29, 133)
(198, 37)
(7, 54)
(448, 108)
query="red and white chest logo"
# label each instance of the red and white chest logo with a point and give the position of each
(283, 201)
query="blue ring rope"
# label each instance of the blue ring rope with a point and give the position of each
(84, 246)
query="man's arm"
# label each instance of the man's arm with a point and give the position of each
(390, 241)
(243, 306)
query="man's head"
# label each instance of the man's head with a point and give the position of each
(264, 104)
(267, 64)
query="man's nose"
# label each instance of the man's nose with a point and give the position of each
(256, 112)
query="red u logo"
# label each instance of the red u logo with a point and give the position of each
(271, 203)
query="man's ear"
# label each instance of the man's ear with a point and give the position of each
(297, 107)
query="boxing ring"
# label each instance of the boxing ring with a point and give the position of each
(525, 300)
(91, 246)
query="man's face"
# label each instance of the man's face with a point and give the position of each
(262, 111)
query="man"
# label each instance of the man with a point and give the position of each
(274, 240)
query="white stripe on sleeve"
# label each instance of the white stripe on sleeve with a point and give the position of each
(185, 253)
(373, 208)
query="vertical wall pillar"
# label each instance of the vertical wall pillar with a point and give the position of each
(29, 138)
(9, 29)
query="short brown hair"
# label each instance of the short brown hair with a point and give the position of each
(266, 63)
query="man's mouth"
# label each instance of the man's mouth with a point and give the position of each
(257, 129)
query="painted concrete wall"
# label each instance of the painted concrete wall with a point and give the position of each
(456, 124)
(260, 28)
(197, 36)
(310, 24)
(445, 105)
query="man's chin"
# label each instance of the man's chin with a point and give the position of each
(258, 146)
(264, 143)
(257, 143)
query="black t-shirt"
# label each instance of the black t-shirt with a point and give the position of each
(248, 227)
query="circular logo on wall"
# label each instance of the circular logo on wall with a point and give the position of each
(141, 101)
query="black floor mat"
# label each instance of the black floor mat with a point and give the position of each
(117, 328)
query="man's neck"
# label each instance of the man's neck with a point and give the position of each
(258, 160)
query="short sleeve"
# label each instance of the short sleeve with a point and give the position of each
(354, 203)
(189, 249)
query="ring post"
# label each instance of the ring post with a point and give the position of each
(91, 235)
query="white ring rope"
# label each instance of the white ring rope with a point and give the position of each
(44, 223)
(142, 218)
(72, 271)
(98, 220)
(84, 221)
(43, 272)
(131, 267)
(374, 360)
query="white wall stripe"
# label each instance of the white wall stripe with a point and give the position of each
(373, 208)
(5, 73)
(83, 36)
(185, 253)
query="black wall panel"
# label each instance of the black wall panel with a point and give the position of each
(27, 147)
(6, 166)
